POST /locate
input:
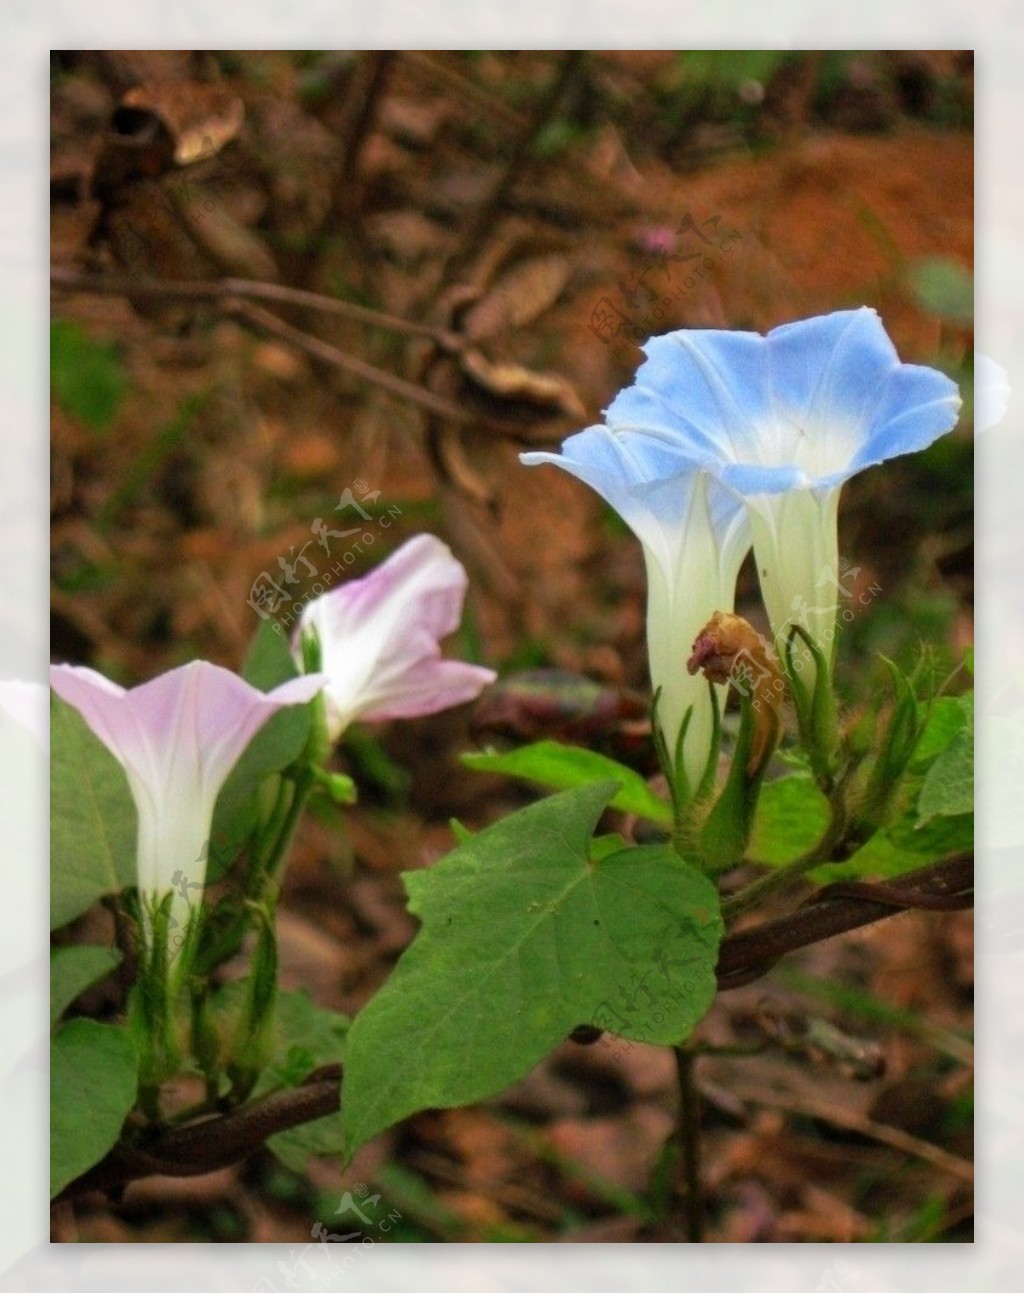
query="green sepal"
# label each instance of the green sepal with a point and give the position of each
(672, 760)
(318, 747)
(312, 653)
(252, 1041)
(726, 830)
(816, 713)
(338, 788)
(223, 930)
(798, 691)
(859, 737)
(151, 1001)
(205, 1038)
(707, 781)
(684, 799)
(164, 966)
(895, 747)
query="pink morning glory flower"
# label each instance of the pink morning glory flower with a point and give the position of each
(177, 738)
(379, 639)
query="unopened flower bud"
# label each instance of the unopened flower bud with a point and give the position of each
(730, 650)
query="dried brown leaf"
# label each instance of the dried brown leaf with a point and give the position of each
(200, 118)
(452, 460)
(514, 382)
(236, 251)
(518, 296)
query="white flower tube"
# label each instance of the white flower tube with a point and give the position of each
(694, 536)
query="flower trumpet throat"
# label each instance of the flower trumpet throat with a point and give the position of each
(728, 649)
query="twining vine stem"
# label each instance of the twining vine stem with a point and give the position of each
(211, 1143)
(836, 908)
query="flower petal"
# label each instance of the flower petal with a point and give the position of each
(810, 404)
(686, 393)
(648, 482)
(916, 406)
(426, 687)
(199, 716)
(828, 370)
(379, 638)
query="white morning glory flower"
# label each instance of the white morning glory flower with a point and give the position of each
(694, 536)
(379, 639)
(782, 421)
(177, 738)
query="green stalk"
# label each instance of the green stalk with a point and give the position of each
(282, 827)
(782, 878)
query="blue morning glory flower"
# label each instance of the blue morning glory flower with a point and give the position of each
(782, 421)
(726, 436)
(694, 534)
